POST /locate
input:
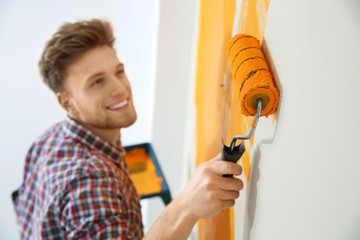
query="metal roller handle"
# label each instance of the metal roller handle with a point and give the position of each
(252, 129)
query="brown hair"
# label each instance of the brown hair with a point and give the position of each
(69, 42)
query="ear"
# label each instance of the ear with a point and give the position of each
(64, 101)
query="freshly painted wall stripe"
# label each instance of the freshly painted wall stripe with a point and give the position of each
(218, 108)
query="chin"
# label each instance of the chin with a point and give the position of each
(130, 121)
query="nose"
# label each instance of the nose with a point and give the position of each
(117, 87)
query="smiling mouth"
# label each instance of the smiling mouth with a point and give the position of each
(118, 105)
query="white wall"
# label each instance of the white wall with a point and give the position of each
(305, 167)
(28, 107)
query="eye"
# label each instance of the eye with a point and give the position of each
(120, 72)
(97, 81)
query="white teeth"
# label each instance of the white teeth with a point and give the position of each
(119, 105)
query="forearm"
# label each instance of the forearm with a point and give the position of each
(206, 194)
(174, 223)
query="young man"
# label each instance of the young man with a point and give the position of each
(76, 184)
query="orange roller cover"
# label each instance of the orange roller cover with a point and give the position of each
(252, 76)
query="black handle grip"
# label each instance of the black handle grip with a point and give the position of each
(232, 155)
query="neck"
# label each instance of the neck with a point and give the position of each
(110, 135)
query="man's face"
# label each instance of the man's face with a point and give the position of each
(97, 91)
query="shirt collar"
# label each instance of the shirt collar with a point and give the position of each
(77, 131)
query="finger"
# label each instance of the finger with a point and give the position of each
(227, 204)
(228, 195)
(234, 184)
(223, 167)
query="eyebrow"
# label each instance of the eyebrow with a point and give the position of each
(120, 65)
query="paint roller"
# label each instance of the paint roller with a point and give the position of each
(258, 93)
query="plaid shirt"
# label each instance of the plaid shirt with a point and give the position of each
(76, 186)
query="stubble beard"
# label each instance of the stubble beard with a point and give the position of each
(113, 123)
